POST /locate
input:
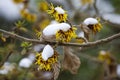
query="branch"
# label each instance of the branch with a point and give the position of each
(91, 58)
(89, 44)
(83, 38)
(95, 7)
(5, 59)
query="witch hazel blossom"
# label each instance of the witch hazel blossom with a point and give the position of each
(46, 58)
(62, 32)
(102, 52)
(58, 13)
(93, 24)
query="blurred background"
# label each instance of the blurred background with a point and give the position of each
(28, 17)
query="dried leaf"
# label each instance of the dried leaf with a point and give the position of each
(86, 30)
(56, 70)
(71, 61)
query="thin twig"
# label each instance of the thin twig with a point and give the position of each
(95, 7)
(85, 40)
(5, 59)
(91, 58)
(89, 44)
(107, 71)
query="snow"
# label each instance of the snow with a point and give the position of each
(9, 10)
(114, 18)
(102, 52)
(25, 63)
(54, 22)
(59, 10)
(53, 28)
(31, 57)
(47, 75)
(47, 52)
(81, 34)
(4, 71)
(38, 47)
(118, 70)
(6, 68)
(89, 21)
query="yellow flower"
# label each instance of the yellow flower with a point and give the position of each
(104, 56)
(43, 6)
(95, 27)
(18, 1)
(38, 34)
(93, 24)
(2, 37)
(87, 2)
(98, 27)
(58, 13)
(66, 36)
(46, 65)
(28, 16)
(44, 23)
(80, 40)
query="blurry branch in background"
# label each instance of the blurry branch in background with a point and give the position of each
(88, 44)
(95, 7)
(91, 58)
(99, 15)
(5, 59)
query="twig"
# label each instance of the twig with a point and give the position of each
(95, 7)
(85, 40)
(91, 58)
(89, 44)
(107, 71)
(5, 59)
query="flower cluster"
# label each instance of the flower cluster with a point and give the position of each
(66, 36)
(93, 24)
(43, 6)
(58, 13)
(28, 16)
(46, 59)
(63, 32)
